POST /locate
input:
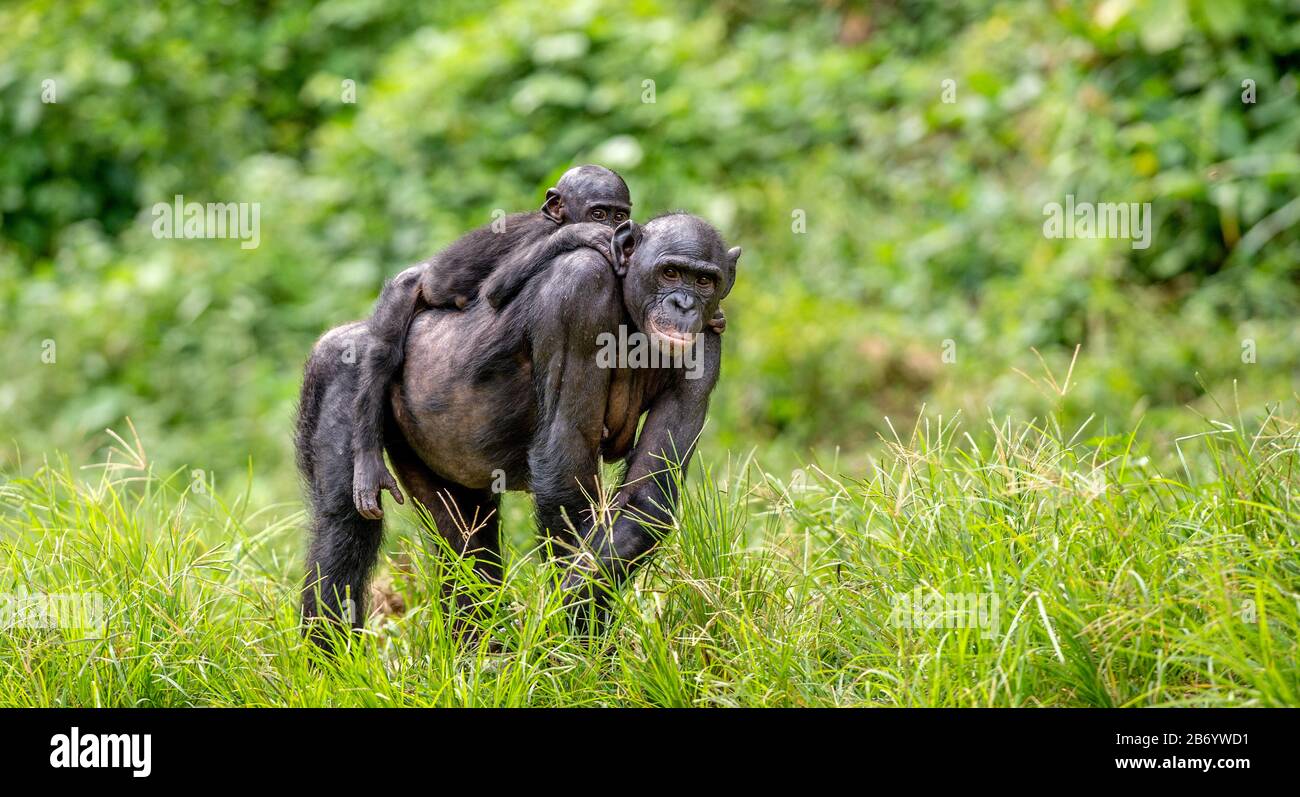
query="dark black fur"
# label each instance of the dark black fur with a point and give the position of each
(343, 543)
(585, 203)
(518, 389)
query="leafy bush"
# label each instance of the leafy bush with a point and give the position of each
(923, 218)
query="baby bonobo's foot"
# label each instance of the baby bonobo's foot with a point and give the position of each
(461, 301)
(718, 323)
(369, 477)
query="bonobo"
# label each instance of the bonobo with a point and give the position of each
(585, 204)
(519, 393)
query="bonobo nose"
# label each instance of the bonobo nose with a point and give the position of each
(681, 303)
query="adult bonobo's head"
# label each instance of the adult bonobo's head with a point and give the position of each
(675, 269)
(589, 193)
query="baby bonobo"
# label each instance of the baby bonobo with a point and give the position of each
(582, 210)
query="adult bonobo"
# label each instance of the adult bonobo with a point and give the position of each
(521, 393)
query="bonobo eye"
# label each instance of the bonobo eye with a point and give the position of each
(598, 214)
(620, 217)
(704, 281)
(670, 273)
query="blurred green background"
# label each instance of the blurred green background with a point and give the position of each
(878, 220)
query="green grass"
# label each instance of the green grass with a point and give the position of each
(1125, 572)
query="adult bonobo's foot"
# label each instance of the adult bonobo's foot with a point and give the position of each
(369, 477)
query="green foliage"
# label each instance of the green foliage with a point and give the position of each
(923, 218)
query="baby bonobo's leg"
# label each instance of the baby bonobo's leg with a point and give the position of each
(448, 288)
(513, 273)
(398, 303)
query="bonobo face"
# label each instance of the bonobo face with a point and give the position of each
(589, 193)
(675, 269)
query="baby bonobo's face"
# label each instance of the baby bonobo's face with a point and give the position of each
(607, 210)
(589, 194)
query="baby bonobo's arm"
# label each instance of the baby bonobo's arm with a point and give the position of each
(398, 303)
(448, 279)
(514, 272)
(453, 278)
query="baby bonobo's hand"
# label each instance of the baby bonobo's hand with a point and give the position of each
(369, 477)
(719, 322)
(595, 235)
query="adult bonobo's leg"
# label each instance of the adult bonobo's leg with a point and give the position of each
(344, 545)
(467, 518)
(576, 300)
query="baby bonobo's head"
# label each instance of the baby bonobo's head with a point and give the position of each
(589, 193)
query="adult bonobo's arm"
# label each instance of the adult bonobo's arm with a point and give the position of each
(574, 303)
(647, 502)
(675, 273)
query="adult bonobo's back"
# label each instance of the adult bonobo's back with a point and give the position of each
(528, 395)
(507, 254)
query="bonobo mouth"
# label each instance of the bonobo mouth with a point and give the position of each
(670, 338)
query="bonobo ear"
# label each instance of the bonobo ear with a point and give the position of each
(627, 237)
(553, 207)
(733, 255)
